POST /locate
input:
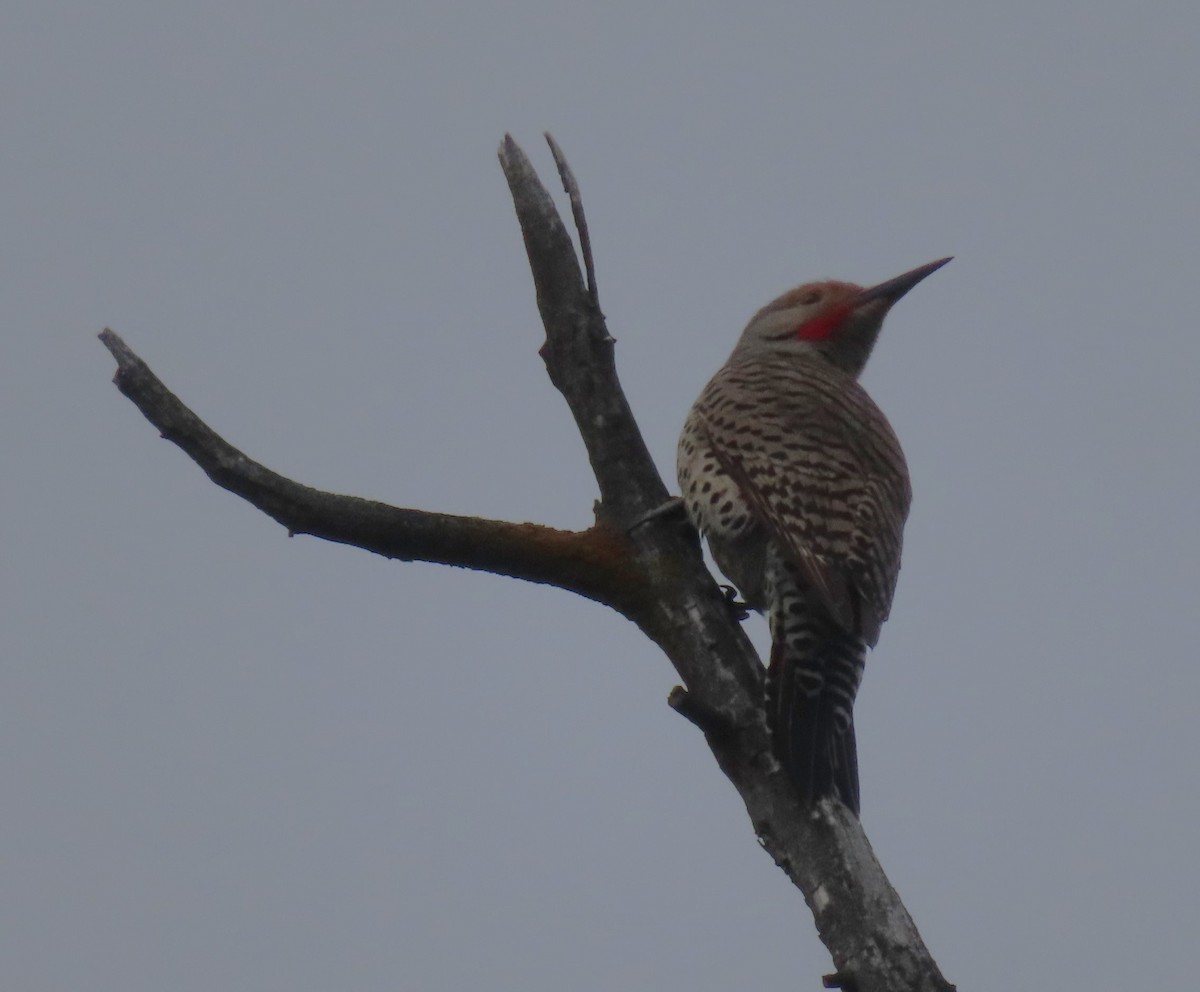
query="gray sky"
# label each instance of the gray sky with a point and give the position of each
(236, 761)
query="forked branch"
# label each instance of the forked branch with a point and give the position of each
(645, 565)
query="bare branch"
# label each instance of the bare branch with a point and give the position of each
(596, 563)
(585, 241)
(579, 352)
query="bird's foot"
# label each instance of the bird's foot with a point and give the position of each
(739, 609)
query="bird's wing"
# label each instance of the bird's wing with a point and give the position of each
(770, 505)
(824, 473)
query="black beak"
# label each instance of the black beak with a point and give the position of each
(893, 289)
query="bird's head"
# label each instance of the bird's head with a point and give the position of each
(837, 320)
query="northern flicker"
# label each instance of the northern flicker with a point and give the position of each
(797, 481)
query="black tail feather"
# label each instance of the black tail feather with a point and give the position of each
(811, 728)
(837, 766)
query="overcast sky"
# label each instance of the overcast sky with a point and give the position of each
(233, 761)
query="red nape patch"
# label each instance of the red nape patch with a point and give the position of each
(824, 324)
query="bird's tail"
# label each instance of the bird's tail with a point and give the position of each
(812, 680)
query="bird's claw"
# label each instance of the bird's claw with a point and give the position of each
(739, 609)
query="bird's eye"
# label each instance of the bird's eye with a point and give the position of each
(811, 297)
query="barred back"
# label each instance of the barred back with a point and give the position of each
(794, 452)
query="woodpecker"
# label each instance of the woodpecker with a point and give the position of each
(797, 481)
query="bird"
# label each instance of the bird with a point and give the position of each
(798, 483)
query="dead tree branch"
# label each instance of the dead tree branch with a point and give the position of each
(645, 565)
(596, 563)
